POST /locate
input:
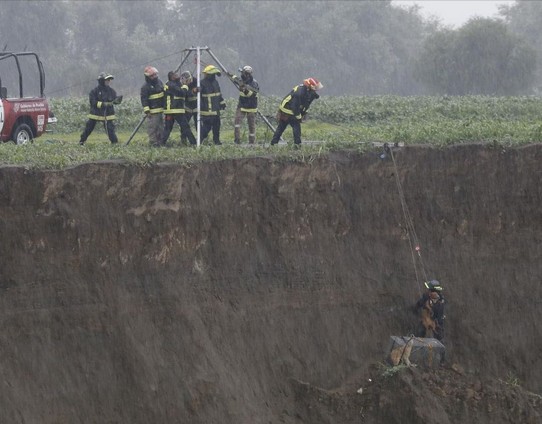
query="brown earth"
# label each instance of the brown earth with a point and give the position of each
(265, 291)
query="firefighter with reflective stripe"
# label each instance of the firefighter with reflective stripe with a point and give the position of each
(294, 107)
(152, 100)
(102, 98)
(174, 111)
(434, 296)
(247, 104)
(191, 100)
(212, 103)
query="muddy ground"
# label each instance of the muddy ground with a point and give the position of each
(266, 291)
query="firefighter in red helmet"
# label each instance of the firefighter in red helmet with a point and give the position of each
(294, 107)
(152, 100)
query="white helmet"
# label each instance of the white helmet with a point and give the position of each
(186, 77)
(247, 69)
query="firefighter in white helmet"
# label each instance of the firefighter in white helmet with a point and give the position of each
(152, 100)
(174, 110)
(191, 100)
(247, 104)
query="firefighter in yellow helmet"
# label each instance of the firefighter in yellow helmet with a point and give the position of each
(294, 107)
(152, 100)
(212, 103)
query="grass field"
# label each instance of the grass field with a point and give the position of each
(335, 122)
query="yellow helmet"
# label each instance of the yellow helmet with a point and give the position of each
(211, 69)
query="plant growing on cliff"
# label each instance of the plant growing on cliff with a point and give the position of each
(388, 371)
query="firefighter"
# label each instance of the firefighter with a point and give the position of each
(191, 100)
(152, 100)
(212, 103)
(247, 105)
(433, 294)
(176, 91)
(102, 100)
(294, 107)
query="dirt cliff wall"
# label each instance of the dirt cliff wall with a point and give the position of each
(196, 294)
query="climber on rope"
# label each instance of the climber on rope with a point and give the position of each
(430, 308)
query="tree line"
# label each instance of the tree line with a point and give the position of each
(360, 48)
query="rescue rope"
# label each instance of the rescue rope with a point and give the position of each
(116, 71)
(413, 240)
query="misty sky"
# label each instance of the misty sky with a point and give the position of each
(457, 12)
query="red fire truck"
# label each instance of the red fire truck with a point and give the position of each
(24, 110)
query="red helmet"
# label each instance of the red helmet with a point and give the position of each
(313, 84)
(150, 71)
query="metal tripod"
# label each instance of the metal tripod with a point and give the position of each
(229, 75)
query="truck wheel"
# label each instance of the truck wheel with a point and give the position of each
(23, 134)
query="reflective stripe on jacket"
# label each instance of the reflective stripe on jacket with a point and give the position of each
(191, 101)
(175, 95)
(297, 102)
(211, 97)
(248, 100)
(152, 96)
(97, 97)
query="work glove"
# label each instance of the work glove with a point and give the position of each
(118, 100)
(196, 89)
(222, 106)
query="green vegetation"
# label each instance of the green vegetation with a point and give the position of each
(388, 371)
(353, 47)
(511, 380)
(334, 122)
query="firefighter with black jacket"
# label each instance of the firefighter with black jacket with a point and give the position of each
(176, 91)
(102, 98)
(212, 103)
(434, 294)
(247, 104)
(294, 107)
(191, 100)
(152, 100)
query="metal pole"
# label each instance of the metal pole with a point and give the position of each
(184, 60)
(198, 73)
(136, 128)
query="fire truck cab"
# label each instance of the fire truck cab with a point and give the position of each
(24, 110)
